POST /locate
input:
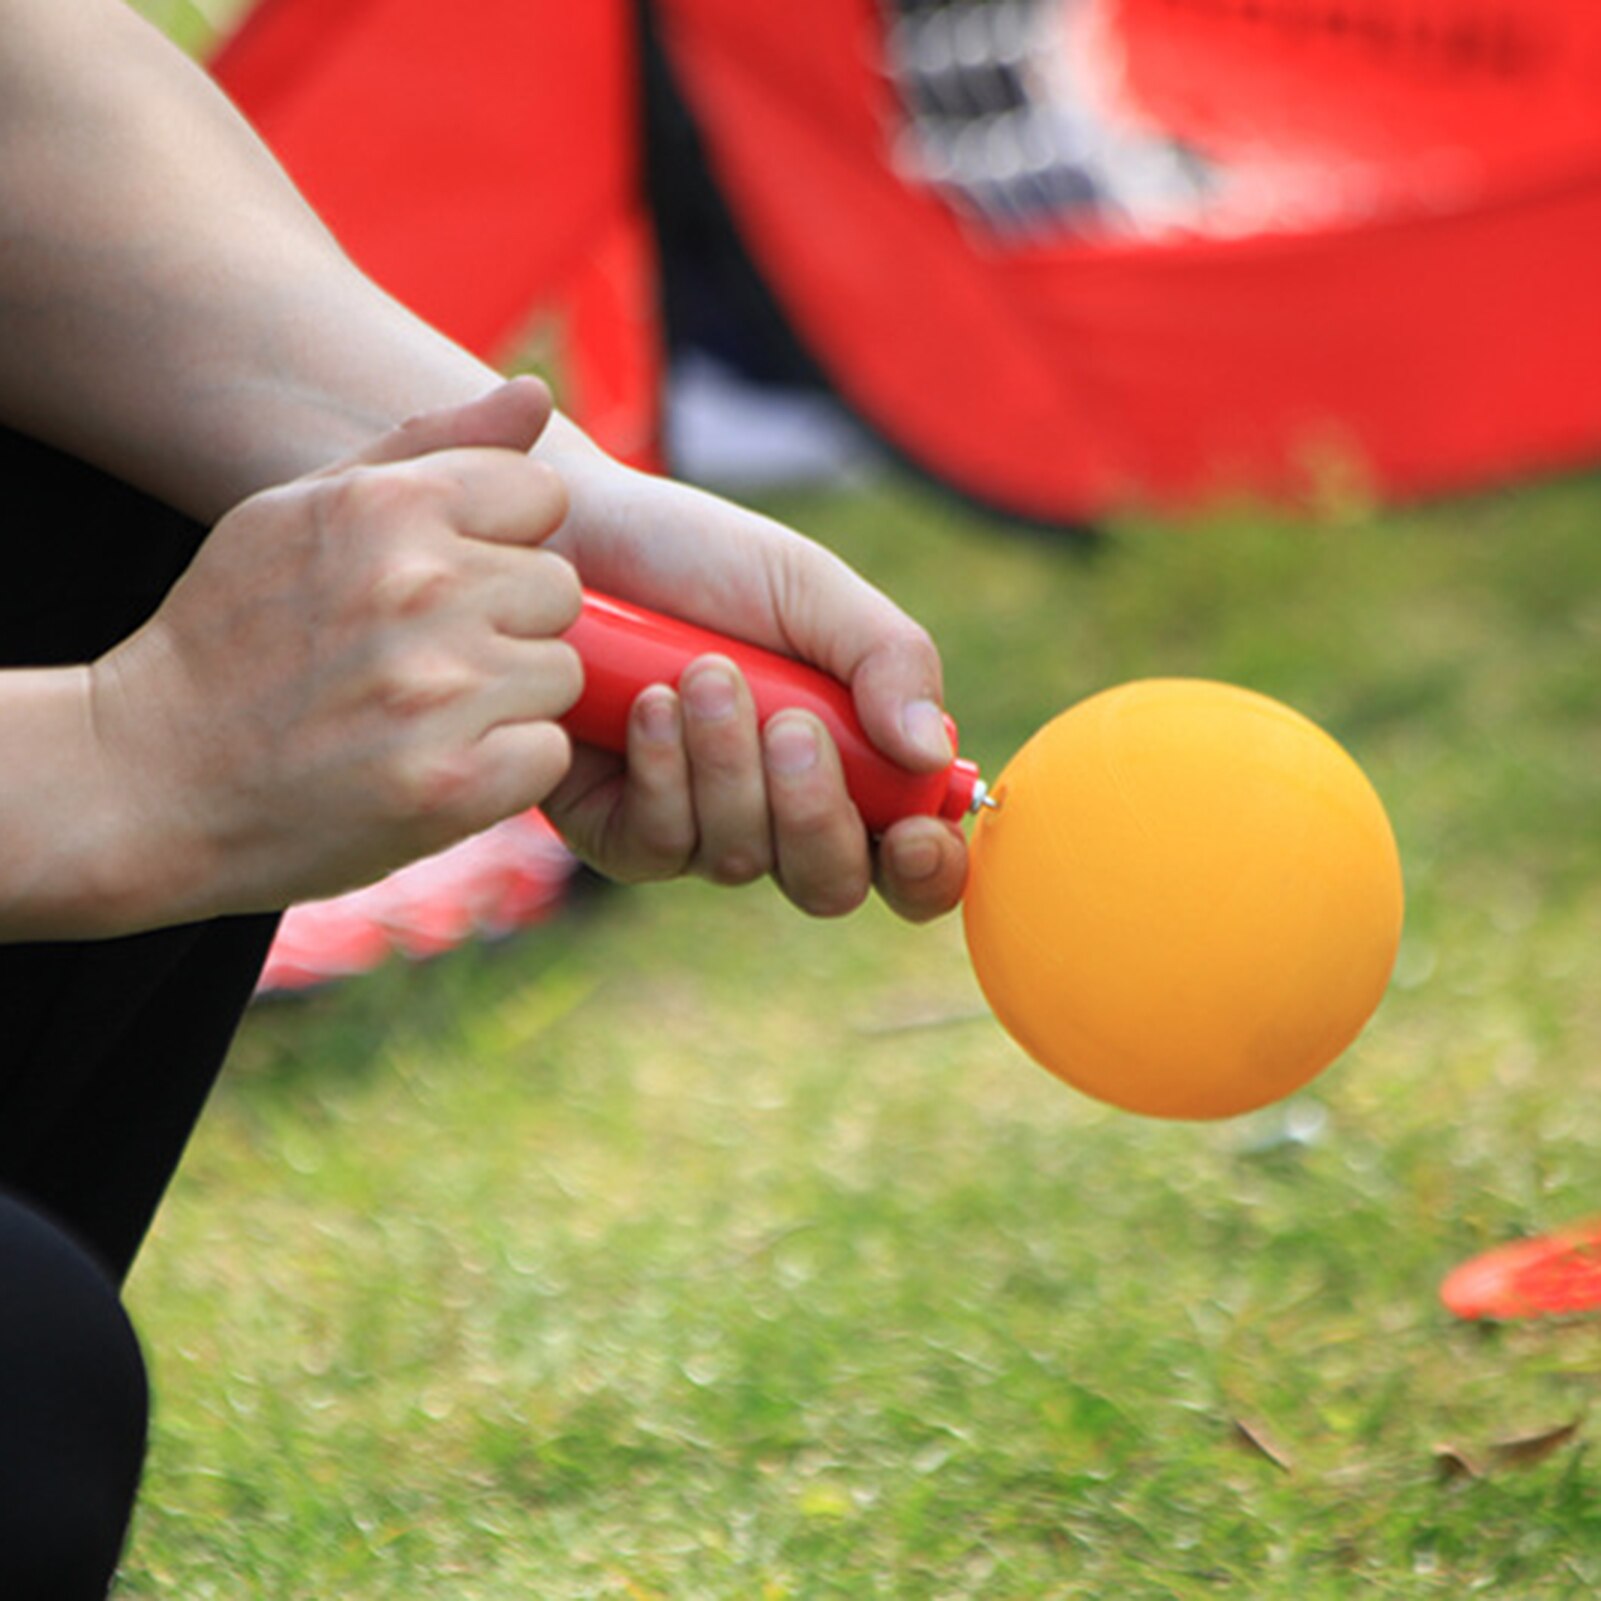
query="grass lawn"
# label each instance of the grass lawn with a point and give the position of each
(689, 1249)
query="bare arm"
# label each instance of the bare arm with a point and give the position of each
(173, 312)
(170, 309)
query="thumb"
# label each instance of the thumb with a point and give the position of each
(511, 416)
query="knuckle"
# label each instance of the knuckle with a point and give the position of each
(408, 682)
(561, 675)
(536, 493)
(546, 487)
(905, 641)
(418, 788)
(664, 846)
(835, 897)
(736, 865)
(544, 758)
(913, 645)
(721, 755)
(361, 496)
(411, 583)
(560, 586)
(553, 583)
(648, 863)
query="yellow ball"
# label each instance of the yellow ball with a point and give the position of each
(1188, 900)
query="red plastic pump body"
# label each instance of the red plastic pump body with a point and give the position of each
(625, 649)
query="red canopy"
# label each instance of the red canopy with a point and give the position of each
(1374, 240)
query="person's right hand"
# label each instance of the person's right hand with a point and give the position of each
(358, 669)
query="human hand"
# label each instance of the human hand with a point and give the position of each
(358, 668)
(702, 789)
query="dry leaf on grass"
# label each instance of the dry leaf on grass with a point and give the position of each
(1452, 1464)
(1253, 1437)
(1523, 1451)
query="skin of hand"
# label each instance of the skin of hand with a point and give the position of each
(358, 669)
(702, 789)
(208, 340)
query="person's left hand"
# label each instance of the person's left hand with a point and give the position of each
(702, 789)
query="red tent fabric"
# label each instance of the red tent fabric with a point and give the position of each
(481, 165)
(1389, 259)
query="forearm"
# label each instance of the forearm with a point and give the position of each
(172, 311)
(72, 868)
(170, 308)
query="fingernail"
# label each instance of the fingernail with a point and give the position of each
(924, 724)
(791, 745)
(657, 713)
(917, 858)
(709, 694)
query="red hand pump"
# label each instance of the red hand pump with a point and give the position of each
(626, 648)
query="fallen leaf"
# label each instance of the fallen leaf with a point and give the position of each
(1253, 1437)
(1452, 1465)
(1523, 1451)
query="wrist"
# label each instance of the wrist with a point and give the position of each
(78, 863)
(148, 858)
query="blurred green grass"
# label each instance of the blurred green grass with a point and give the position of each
(687, 1248)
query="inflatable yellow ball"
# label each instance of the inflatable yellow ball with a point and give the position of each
(1187, 900)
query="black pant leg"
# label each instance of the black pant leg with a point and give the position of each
(111, 1049)
(107, 1048)
(74, 1410)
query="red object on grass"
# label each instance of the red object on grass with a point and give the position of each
(496, 882)
(1550, 1276)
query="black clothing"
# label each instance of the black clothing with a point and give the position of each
(108, 1050)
